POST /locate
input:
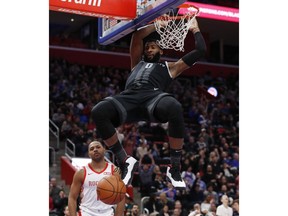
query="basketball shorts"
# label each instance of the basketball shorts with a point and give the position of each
(137, 105)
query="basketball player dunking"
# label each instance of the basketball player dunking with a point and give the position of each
(145, 99)
(85, 184)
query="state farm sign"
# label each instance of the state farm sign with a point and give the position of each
(120, 9)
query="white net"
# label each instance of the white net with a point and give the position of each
(173, 28)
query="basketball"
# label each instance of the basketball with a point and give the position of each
(111, 190)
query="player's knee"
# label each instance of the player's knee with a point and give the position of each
(100, 112)
(175, 109)
(168, 109)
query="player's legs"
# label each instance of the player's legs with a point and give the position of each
(168, 109)
(107, 115)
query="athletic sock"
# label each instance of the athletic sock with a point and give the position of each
(119, 152)
(175, 155)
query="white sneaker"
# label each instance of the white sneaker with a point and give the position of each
(128, 169)
(175, 178)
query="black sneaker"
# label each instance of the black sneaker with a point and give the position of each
(175, 178)
(128, 169)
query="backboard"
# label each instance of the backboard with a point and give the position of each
(110, 30)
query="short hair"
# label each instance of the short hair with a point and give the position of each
(152, 37)
(95, 141)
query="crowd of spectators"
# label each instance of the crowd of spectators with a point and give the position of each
(58, 199)
(210, 160)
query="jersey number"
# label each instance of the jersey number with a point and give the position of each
(148, 65)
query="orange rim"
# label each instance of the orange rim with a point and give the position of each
(185, 5)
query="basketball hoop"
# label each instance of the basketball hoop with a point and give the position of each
(173, 27)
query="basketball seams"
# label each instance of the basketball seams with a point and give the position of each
(113, 192)
(105, 178)
(117, 182)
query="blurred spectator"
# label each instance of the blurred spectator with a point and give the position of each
(226, 187)
(190, 145)
(201, 143)
(146, 175)
(54, 190)
(235, 207)
(165, 151)
(209, 176)
(234, 163)
(66, 130)
(214, 161)
(224, 209)
(84, 151)
(135, 210)
(128, 204)
(212, 210)
(210, 191)
(195, 194)
(170, 191)
(90, 125)
(159, 182)
(176, 212)
(163, 200)
(207, 138)
(200, 182)
(223, 190)
(83, 118)
(155, 152)
(58, 117)
(224, 156)
(182, 211)
(188, 176)
(143, 147)
(79, 139)
(205, 205)
(196, 210)
(120, 134)
(164, 211)
(152, 204)
(51, 205)
(66, 211)
(61, 201)
(227, 171)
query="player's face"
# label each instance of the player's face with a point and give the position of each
(135, 209)
(66, 211)
(152, 52)
(96, 151)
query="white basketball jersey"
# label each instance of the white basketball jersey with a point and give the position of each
(90, 203)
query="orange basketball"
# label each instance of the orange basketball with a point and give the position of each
(111, 190)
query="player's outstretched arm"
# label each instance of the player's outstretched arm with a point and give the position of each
(176, 68)
(75, 191)
(136, 44)
(120, 208)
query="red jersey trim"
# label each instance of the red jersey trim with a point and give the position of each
(84, 175)
(100, 171)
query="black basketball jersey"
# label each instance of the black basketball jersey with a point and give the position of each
(147, 75)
